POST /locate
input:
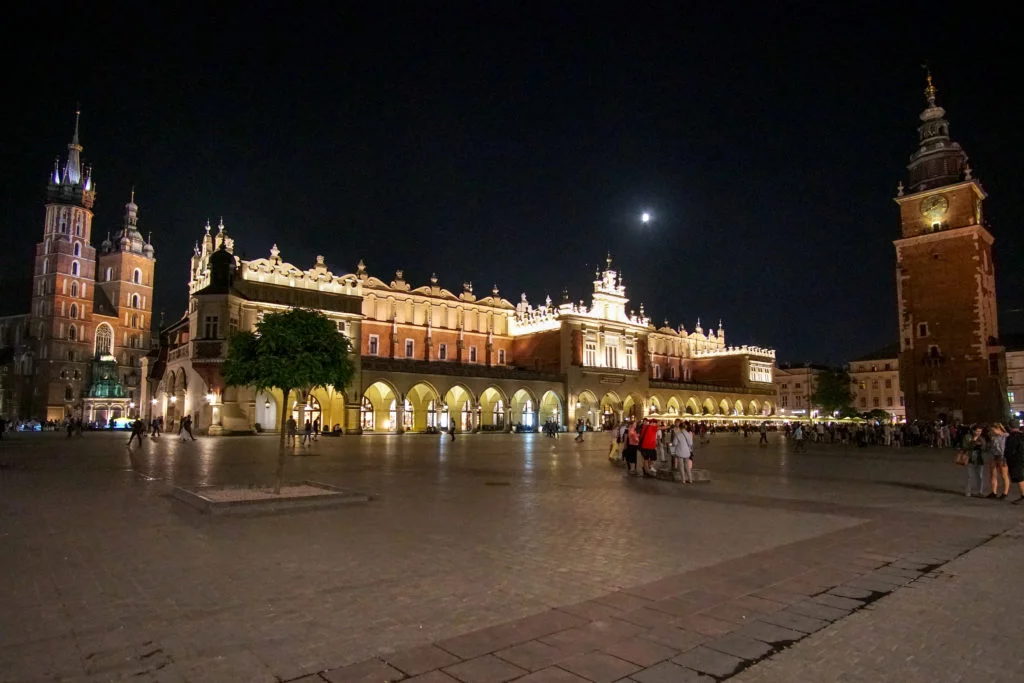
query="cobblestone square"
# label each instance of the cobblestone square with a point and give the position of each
(495, 556)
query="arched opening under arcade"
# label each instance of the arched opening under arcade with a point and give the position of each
(633, 407)
(672, 409)
(768, 409)
(654, 406)
(708, 407)
(753, 408)
(692, 406)
(265, 413)
(458, 409)
(493, 406)
(738, 409)
(422, 406)
(551, 408)
(306, 408)
(724, 408)
(378, 409)
(524, 410)
(611, 410)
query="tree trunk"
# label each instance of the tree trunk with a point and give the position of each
(281, 446)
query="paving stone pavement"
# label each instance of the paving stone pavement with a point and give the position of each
(498, 557)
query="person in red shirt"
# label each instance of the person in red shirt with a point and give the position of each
(649, 445)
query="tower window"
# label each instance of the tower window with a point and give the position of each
(212, 327)
(74, 268)
(72, 333)
(137, 277)
(74, 289)
(135, 301)
(78, 249)
(442, 352)
(501, 356)
(373, 345)
(972, 385)
(74, 310)
(108, 275)
(409, 348)
(922, 330)
(472, 354)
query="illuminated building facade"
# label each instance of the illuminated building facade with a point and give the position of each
(77, 352)
(952, 365)
(875, 383)
(427, 357)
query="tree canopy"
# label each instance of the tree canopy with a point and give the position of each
(832, 392)
(294, 349)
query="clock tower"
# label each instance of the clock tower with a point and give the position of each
(951, 363)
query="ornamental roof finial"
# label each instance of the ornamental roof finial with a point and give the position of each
(609, 259)
(930, 90)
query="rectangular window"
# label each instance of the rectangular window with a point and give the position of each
(785, 386)
(874, 384)
(374, 345)
(212, 328)
(590, 354)
(342, 327)
(863, 402)
(410, 348)
(501, 356)
(611, 356)
(630, 362)
(472, 354)
(993, 363)
(785, 401)
(875, 402)
(797, 385)
(972, 385)
(442, 352)
(888, 384)
(887, 366)
(888, 401)
(1009, 396)
(922, 330)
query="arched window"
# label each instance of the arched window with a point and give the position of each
(68, 393)
(527, 416)
(109, 274)
(74, 289)
(74, 310)
(78, 249)
(46, 247)
(72, 334)
(431, 414)
(74, 268)
(137, 277)
(46, 266)
(407, 415)
(104, 338)
(135, 320)
(498, 416)
(135, 300)
(656, 370)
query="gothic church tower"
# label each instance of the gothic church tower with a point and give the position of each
(951, 363)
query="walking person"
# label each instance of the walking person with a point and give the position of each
(186, 428)
(138, 429)
(307, 433)
(798, 437)
(763, 441)
(632, 444)
(451, 429)
(290, 427)
(316, 429)
(975, 447)
(615, 444)
(579, 430)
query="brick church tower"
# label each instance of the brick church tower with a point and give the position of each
(90, 314)
(951, 362)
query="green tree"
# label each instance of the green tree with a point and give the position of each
(293, 351)
(832, 392)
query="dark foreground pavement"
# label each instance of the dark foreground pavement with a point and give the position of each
(502, 557)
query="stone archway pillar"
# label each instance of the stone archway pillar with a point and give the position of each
(350, 419)
(399, 414)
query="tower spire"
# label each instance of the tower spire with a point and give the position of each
(930, 90)
(78, 114)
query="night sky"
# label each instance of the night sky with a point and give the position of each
(517, 146)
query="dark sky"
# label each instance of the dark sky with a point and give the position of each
(517, 145)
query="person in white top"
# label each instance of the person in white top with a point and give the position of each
(682, 451)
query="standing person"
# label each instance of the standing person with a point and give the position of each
(798, 437)
(764, 433)
(579, 430)
(1013, 451)
(683, 452)
(307, 433)
(154, 428)
(186, 422)
(290, 428)
(451, 429)
(649, 446)
(998, 469)
(316, 428)
(71, 428)
(975, 447)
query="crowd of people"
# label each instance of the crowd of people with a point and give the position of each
(642, 443)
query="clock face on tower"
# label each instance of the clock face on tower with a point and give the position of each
(934, 208)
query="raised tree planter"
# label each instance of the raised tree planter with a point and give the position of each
(242, 500)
